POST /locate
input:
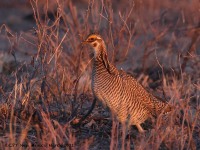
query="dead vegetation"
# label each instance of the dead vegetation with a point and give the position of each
(40, 97)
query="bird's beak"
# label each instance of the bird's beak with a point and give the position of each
(84, 42)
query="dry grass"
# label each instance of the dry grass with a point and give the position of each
(40, 97)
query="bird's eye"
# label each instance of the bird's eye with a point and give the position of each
(91, 39)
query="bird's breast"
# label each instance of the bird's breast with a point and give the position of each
(106, 87)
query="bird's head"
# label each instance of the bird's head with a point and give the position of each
(96, 42)
(99, 48)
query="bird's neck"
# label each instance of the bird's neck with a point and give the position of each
(100, 53)
(98, 49)
(101, 59)
(101, 62)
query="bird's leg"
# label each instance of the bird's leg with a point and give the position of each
(140, 129)
(125, 128)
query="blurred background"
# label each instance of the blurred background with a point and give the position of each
(170, 25)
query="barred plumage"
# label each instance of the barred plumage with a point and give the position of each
(125, 97)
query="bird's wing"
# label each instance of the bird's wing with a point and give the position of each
(142, 93)
(124, 75)
(153, 103)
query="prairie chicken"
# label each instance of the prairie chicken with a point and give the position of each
(125, 97)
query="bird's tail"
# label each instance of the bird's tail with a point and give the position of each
(167, 108)
(161, 106)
